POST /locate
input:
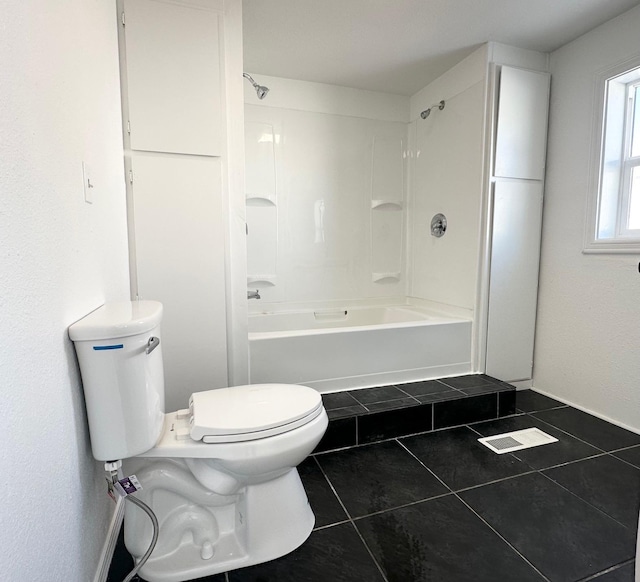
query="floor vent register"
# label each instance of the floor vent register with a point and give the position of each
(509, 442)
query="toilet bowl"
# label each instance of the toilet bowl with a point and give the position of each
(221, 505)
(220, 475)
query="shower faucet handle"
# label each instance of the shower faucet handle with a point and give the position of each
(253, 294)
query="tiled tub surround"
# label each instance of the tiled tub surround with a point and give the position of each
(440, 507)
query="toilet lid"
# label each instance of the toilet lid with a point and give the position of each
(243, 413)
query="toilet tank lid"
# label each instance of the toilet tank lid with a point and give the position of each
(117, 319)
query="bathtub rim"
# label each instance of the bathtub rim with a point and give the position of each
(436, 313)
(265, 335)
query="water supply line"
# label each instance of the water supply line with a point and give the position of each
(112, 468)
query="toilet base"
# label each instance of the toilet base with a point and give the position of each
(203, 533)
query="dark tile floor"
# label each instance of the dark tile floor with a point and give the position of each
(373, 414)
(359, 402)
(440, 507)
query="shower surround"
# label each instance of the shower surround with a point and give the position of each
(341, 188)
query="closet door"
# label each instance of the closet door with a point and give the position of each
(173, 77)
(515, 260)
(521, 136)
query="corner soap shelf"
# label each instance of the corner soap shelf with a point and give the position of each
(259, 200)
(386, 205)
(264, 280)
(385, 277)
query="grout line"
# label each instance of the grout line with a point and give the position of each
(328, 525)
(433, 416)
(456, 491)
(624, 449)
(501, 537)
(585, 501)
(403, 506)
(623, 460)
(470, 427)
(612, 569)
(350, 520)
(422, 463)
(564, 464)
(384, 577)
(565, 431)
(542, 409)
(346, 408)
(404, 392)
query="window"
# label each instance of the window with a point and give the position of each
(615, 221)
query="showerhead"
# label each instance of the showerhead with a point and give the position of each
(261, 90)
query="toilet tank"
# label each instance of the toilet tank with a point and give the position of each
(120, 356)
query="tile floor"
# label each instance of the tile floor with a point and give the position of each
(399, 410)
(440, 507)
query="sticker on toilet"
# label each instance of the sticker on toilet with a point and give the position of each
(127, 486)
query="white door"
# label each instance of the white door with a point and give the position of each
(173, 77)
(513, 291)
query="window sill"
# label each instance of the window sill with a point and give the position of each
(618, 247)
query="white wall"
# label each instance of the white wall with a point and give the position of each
(588, 327)
(320, 154)
(60, 258)
(446, 177)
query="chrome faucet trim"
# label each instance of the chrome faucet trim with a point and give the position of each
(253, 294)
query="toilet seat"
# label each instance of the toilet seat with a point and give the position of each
(245, 413)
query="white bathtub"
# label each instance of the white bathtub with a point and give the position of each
(339, 349)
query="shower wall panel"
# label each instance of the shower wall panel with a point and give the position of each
(447, 178)
(329, 169)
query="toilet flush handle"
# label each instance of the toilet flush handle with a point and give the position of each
(152, 344)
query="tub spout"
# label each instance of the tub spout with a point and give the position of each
(253, 294)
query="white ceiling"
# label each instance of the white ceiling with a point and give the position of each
(399, 46)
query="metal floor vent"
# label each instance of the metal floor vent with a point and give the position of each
(517, 440)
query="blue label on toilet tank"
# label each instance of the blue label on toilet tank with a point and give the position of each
(114, 347)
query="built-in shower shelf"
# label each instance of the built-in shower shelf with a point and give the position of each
(259, 200)
(386, 204)
(385, 277)
(264, 280)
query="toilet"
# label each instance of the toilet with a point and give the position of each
(220, 474)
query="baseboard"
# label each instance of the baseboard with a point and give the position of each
(110, 542)
(588, 411)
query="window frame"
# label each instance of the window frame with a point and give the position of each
(629, 162)
(610, 187)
